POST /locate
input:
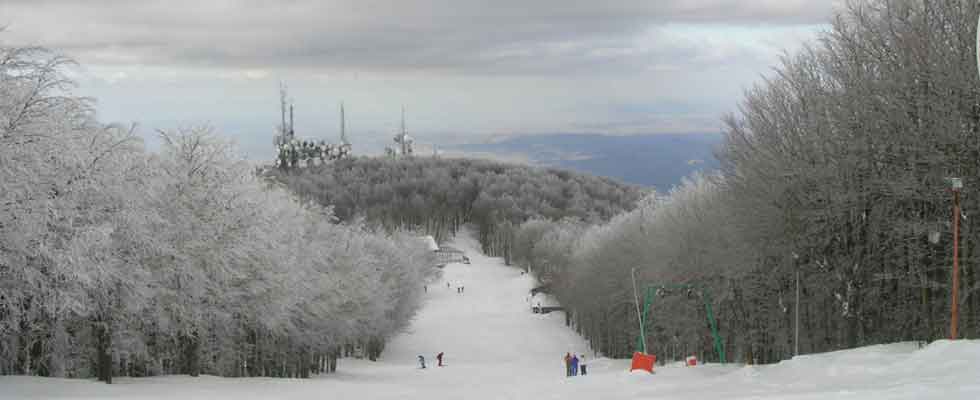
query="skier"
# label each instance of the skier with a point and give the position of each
(582, 365)
(574, 365)
(439, 357)
(426, 288)
(421, 362)
(568, 364)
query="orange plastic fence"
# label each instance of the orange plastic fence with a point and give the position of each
(643, 361)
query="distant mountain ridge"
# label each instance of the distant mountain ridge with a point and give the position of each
(657, 160)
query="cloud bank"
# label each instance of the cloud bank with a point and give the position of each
(462, 65)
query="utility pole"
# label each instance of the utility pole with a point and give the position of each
(956, 184)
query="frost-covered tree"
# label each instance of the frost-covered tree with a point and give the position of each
(832, 170)
(115, 261)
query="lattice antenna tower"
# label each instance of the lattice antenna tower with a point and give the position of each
(282, 108)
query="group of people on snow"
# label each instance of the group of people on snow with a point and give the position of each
(459, 289)
(574, 364)
(422, 360)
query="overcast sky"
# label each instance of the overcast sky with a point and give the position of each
(463, 69)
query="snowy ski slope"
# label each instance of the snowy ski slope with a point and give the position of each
(496, 348)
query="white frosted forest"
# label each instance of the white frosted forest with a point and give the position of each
(118, 261)
(496, 348)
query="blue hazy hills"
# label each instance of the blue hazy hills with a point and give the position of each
(658, 161)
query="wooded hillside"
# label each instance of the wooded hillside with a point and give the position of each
(437, 195)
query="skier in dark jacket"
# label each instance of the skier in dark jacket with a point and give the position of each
(574, 366)
(421, 362)
(439, 358)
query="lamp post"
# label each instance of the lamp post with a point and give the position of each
(796, 264)
(796, 340)
(956, 184)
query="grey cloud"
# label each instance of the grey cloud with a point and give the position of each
(463, 36)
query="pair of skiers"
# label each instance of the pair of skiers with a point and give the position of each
(573, 364)
(422, 360)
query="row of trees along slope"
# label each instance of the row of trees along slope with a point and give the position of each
(438, 195)
(833, 168)
(119, 262)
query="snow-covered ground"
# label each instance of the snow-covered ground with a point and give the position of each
(496, 348)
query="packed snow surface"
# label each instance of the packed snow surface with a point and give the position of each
(495, 348)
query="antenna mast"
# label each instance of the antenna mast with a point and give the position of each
(343, 125)
(282, 109)
(404, 135)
